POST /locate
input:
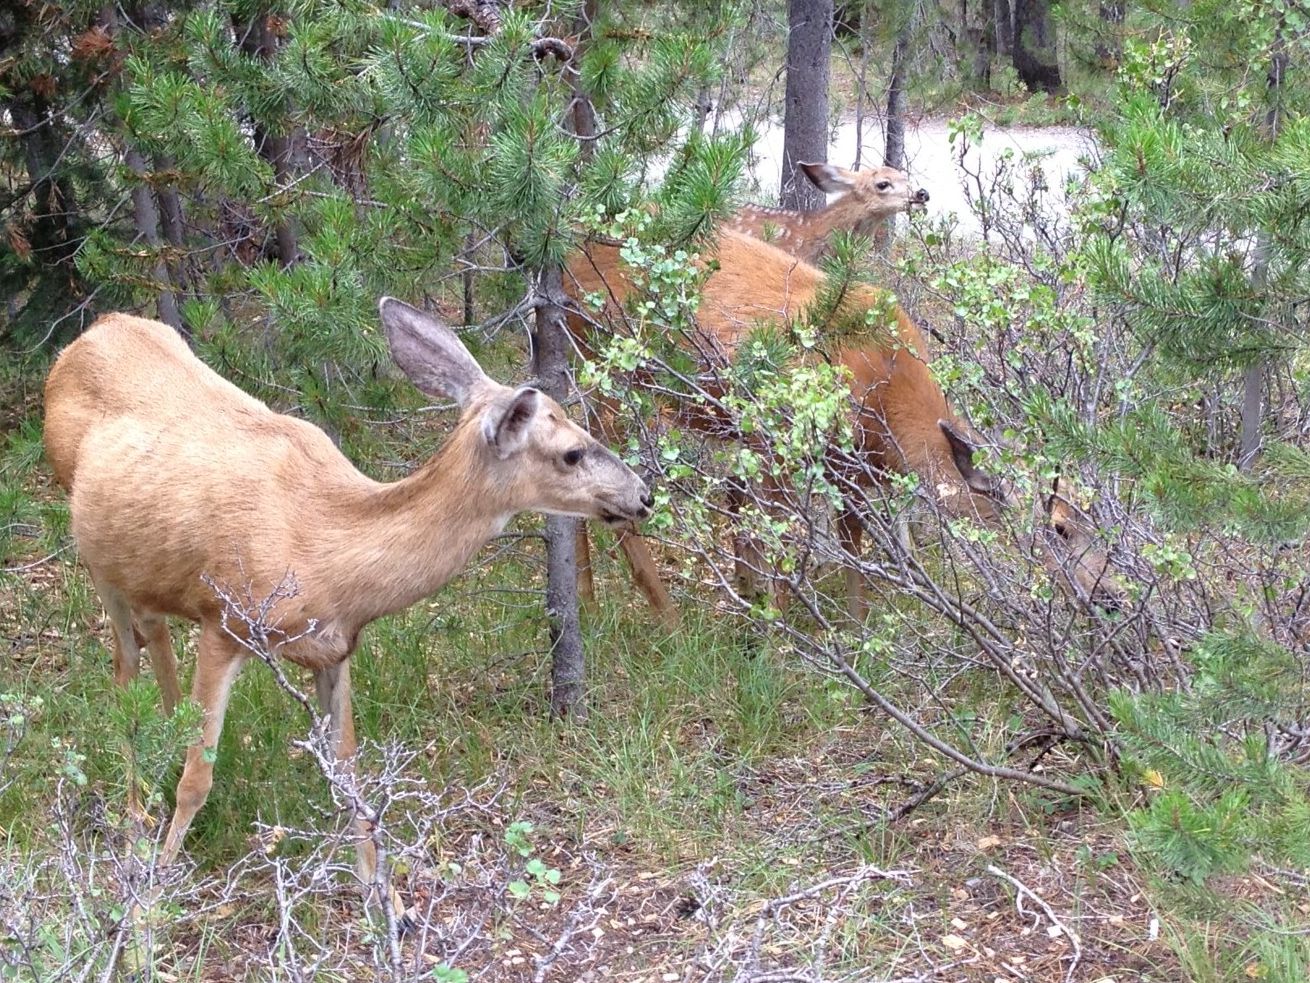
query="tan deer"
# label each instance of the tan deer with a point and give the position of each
(902, 420)
(176, 475)
(867, 199)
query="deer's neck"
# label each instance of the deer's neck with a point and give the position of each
(394, 544)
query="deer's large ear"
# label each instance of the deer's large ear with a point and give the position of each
(962, 450)
(506, 424)
(1055, 502)
(828, 178)
(429, 352)
(1060, 510)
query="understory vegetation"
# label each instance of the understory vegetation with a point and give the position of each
(1065, 742)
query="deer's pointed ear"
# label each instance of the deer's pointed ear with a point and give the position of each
(1055, 499)
(506, 424)
(962, 450)
(429, 352)
(828, 178)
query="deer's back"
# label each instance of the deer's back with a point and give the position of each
(175, 472)
(125, 366)
(756, 283)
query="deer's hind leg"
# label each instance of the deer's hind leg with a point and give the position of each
(127, 664)
(646, 575)
(127, 647)
(135, 628)
(641, 564)
(154, 629)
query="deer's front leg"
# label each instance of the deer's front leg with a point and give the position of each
(850, 533)
(333, 688)
(217, 666)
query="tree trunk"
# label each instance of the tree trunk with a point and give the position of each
(805, 126)
(1034, 46)
(1253, 382)
(861, 93)
(1109, 43)
(152, 17)
(146, 216)
(170, 205)
(145, 211)
(172, 224)
(894, 148)
(1253, 379)
(470, 258)
(550, 362)
(54, 206)
(279, 149)
(979, 43)
(584, 113)
(1003, 18)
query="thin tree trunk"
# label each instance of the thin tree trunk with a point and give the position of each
(150, 17)
(1253, 379)
(550, 362)
(893, 154)
(172, 224)
(1035, 56)
(146, 216)
(145, 211)
(805, 126)
(258, 40)
(584, 113)
(1003, 18)
(470, 307)
(1109, 44)
(894, 149)
(861, 93)
(979, 42)
(170, 205)
(54, 204)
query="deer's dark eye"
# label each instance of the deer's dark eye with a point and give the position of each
(574, 457)
(883, 185)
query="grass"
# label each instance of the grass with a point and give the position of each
(712, 776)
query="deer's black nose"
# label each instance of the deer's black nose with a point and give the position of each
(648, 500)
(921, 196)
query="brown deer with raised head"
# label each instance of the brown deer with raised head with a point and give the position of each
(902, 420)
(867, 199)
(178, 478)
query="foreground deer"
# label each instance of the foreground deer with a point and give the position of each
(902, 420)
(176, 474)
(868, 198)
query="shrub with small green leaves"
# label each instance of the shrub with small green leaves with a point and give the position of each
(539, 879)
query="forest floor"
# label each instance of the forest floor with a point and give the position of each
(725, 814)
